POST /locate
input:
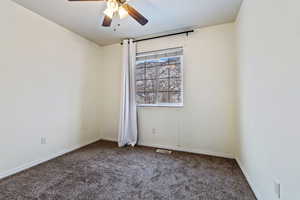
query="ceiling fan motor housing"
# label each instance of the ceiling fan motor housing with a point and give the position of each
(122, 8)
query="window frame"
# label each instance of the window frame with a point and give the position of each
(168, 105)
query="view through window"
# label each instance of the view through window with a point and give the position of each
(159, 79)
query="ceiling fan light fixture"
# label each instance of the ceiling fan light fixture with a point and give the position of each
(121, 8)
(122, 12)
(113, 5)
(109, 13)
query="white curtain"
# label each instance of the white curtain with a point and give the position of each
(128, 114)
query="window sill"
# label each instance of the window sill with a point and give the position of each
(161, 105)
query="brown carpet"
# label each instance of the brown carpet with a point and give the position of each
(104, 172)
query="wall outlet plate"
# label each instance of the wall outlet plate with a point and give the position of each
(277, 189)
(153, 131)
(43, 140)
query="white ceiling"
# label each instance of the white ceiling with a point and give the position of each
(85, 18)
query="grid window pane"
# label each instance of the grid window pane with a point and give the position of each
(151, 63)
(163, 97)
(175, 84)
(175, 70)
(150, 85)
(163, 71)
(173, 60)
(140, 86)
(140, 74)
(151, 73)
(140, 98)
(163, 61)
(159, 77)
(175, 97)
(163, 85)
(140, 64)
(150, 98)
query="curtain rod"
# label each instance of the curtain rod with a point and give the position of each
(161, 36)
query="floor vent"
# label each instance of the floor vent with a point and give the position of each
(163, 151)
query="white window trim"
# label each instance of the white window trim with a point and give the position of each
(171, 105)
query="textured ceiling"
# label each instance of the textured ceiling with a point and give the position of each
(85, 18)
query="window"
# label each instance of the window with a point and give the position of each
(159, 78)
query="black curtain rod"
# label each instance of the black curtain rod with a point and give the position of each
(161, 36)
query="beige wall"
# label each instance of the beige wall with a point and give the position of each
(207, 122)
(57, 85)
(268, 34)
(48, 88)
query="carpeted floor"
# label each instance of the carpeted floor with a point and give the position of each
(101, 171)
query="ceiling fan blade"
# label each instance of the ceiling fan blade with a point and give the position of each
(106, 21)
(135, 14)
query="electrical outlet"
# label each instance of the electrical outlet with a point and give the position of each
(277, 189)
(43, 140)
(153, 131)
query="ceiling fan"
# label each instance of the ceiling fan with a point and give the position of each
(120, 8)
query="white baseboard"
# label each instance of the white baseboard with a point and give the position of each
(109, 139)
(189, 150)
(49, 157)
(251, 183)
(177, 148)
